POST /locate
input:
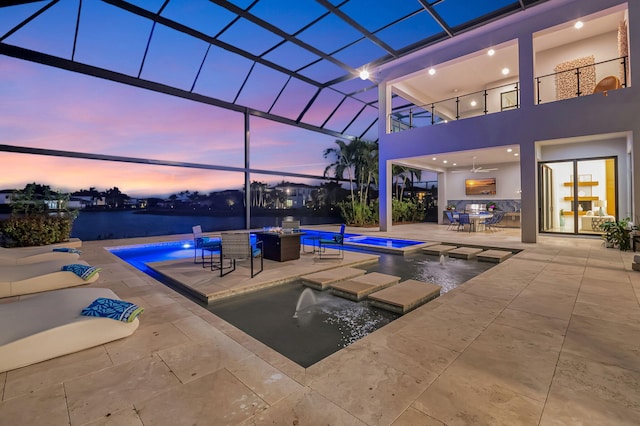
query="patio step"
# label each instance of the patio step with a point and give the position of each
(495, 256)
(323, 279)
(403, 297)
(439, 249)
(465, 252)
(360, 287)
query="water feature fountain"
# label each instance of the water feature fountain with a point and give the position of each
(306, 299)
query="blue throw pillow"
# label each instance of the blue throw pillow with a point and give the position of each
(67, 250)
(83, 271)
(112, 308)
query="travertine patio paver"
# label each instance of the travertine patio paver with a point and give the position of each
(322, 280)
(403, 297)
(439, 249)
(359, 287)
(465, 252)
(496, 256)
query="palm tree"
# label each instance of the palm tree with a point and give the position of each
(359, 160)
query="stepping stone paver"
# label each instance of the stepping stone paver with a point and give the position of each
(465, 252)
(439, 249)
(359, 287)
(403, 297)
(323, 279)
(495, 256)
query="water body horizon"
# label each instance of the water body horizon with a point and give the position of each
(90, 226)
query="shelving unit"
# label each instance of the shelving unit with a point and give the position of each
(585, 197)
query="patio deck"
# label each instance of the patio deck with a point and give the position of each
(549, 336)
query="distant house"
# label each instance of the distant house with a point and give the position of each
(298, 194)
(5, 196)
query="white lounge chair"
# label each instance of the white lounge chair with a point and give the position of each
(16, 280)
(48, 325)
(22, 256)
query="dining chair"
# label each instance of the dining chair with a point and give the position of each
(498, 217)
(204, 244)
(464, 219)
(237, 246)
(489, 222)
(453, 222)
(335, 240)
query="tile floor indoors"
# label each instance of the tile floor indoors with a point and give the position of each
(551, 336)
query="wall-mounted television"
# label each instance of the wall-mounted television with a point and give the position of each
(480, 186)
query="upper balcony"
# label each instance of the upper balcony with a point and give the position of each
(487, 101)
(570, 60)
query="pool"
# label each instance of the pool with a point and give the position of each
(141, 254)
(381, 242)
(303, 324)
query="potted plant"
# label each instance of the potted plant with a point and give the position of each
(618, 233)
(491, 206)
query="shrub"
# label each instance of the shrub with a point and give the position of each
(358, 214)
(35, 230)
(407, 211)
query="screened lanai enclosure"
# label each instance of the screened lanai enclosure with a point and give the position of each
(204, 103)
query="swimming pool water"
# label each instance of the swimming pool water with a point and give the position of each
(328, 323)
(138, 255)
(381, 242)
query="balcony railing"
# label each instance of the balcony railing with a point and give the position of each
(580, 81)
(488, 101)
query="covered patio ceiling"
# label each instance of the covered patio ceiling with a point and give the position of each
(295, 62)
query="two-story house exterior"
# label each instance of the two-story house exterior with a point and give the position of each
(547, 115)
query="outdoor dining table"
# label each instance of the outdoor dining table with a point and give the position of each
(476, 219)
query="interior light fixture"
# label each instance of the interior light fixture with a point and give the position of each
(474, 103)
(491, 52)
(578, 25)
(445, 161)
(454, 164)
(505, 71)
(509, 150)
(364, 74)
(434, 158)
(432, 71)
(516, 154)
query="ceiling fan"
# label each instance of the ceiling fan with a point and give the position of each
(475, 169)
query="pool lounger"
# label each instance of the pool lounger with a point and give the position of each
(49, 325)
(16, 280)
(24, 256)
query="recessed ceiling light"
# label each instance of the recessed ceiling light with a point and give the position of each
(434, 158)
(454, 164)
(364, 74)
(505, 71)
(432, 71)
(516, 154)
(509, 150)
(491, 52)
(578, 25)
(474, 103)
(445, 161)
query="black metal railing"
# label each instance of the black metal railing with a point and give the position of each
(488, 101)
(580, 81)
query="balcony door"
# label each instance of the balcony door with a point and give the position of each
(577, 195)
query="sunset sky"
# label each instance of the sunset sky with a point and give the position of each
(45, 107)
(278, 56)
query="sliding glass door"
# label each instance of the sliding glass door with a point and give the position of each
(576, 196)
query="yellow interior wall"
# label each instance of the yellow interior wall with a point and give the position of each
(611, 186)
